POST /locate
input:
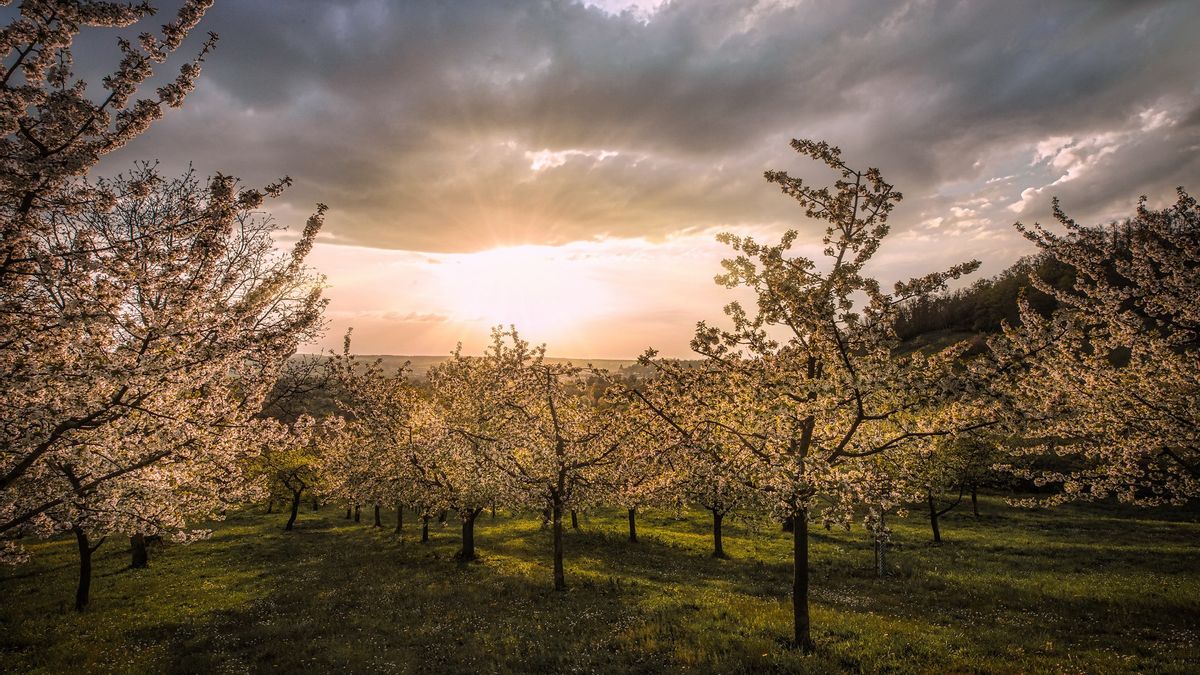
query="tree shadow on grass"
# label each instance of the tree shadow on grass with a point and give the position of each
(339, 598)
(334, 595)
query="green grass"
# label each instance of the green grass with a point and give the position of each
(1077, 589)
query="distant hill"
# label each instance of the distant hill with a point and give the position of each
(420, 365)
(981, 308)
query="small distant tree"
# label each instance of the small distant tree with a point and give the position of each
(481, 419)
(643, 475)
(712, 479)
(292, 459)
(936, 473)
(1107, 388)
(706, 471)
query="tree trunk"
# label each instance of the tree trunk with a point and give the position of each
(141, 557)
(399, 517)
(933, 520)
(316, 504)
(85, 568)
(974, 501)
(295, 509)
(803, 633)
(880, 550)
(468, 535)
(270, 506)
(357, 513)
(442, 518)
(633, 525)
(424, 529)
(493, 508)
(560, 579)
(789, 524)
(349, 512)
(574, 520)
(718, 548)
(378, 522)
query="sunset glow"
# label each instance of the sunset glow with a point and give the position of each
(536, 287)
(570, 296)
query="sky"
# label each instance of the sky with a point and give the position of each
(565, 166)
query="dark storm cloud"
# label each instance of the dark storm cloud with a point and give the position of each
(421, 123)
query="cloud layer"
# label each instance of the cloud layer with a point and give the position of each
(453, 127)
(429, 125)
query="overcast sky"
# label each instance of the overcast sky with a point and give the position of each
(565, 165)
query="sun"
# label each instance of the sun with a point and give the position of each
(542, 290)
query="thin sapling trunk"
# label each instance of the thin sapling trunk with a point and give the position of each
(560, 579)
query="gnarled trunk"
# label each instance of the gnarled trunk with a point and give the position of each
(137, 548)
(378, 521)
(399, 517)
(718, 547)
(633, 525)
(468, 535)
(424, 529)
(295, 510)
(83, 590)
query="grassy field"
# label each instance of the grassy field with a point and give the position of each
(1079, 589)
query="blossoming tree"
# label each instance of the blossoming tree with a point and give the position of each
(808, 383)
(1111, 381)
(180, 315)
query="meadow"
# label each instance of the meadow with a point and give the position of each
(1087, 589)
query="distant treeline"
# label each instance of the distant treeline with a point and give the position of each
(982, 306)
